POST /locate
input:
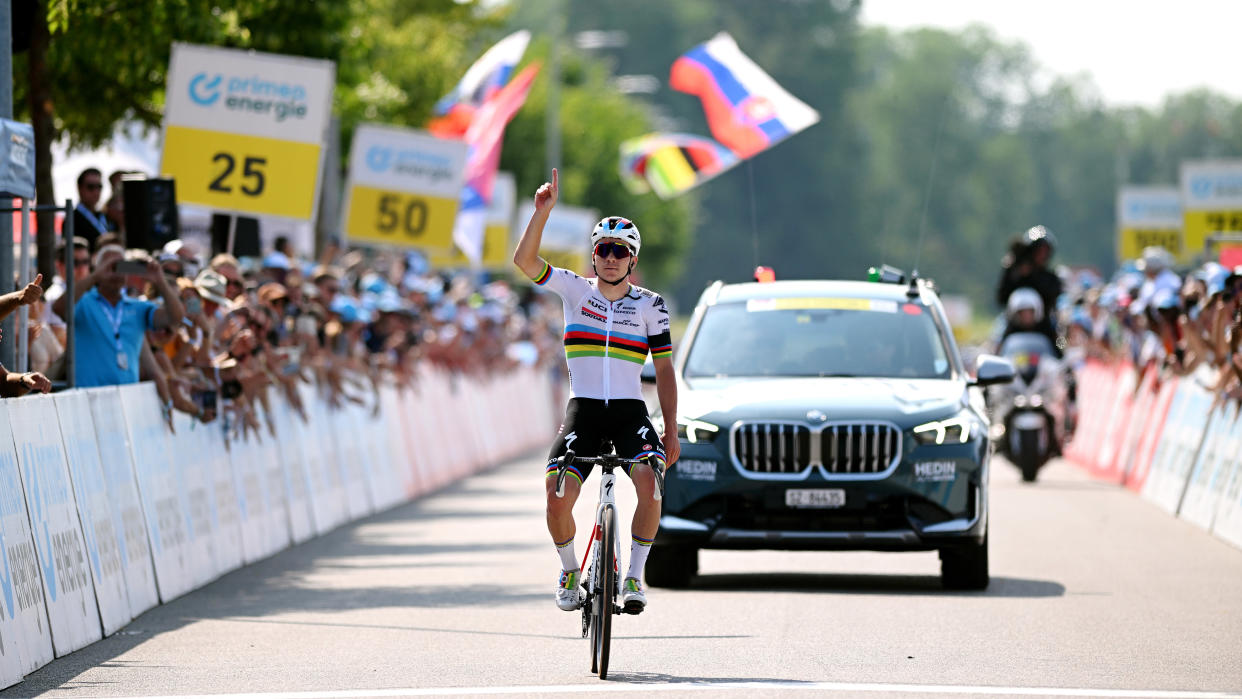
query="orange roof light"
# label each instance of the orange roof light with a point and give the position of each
(765, 274)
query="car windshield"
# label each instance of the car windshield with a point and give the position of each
(818, 337)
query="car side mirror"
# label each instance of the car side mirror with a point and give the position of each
(648, 373)
(991, 370)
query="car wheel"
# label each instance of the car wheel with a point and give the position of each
(965, 567)
(671, 566)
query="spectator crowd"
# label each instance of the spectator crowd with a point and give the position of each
(1152, 313)
(218, 335)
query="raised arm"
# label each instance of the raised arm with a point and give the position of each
(526, 256)
(12, 301)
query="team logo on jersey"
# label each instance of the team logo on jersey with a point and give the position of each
(596, 305)
(592, 314)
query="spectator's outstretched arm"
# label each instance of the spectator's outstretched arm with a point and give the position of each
(13, 384)
(23, 297)
(80, 287)
(170, 314)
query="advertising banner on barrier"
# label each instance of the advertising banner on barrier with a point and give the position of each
(404, 188)
(117, 462)
(225, 506)
(248, 469)
(244, 131)
(90, 489)
(192, 466)
(23, 611)
(1228, 522)
(277, 536)
(1210, 472)
(57, 532)
(295, 473)
(164, 504)
(1176, 454)
(327, 486)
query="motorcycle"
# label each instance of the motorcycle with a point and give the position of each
(1032, 408)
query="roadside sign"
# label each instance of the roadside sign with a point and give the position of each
(244, 131)
(403, 188)
(566, 238)
(1148, 216)
(1212, 196)
(497, 248)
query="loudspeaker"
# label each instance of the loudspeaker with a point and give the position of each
(245, 240)
(150, 212)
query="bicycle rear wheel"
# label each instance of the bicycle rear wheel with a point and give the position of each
(605, 594)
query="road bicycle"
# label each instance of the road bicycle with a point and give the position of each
(602, 579)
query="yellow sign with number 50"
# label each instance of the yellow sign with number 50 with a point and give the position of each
(401, 220)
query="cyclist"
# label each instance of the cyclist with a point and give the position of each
(610, 326)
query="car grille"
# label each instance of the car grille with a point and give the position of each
(787, 448)
(772, 447)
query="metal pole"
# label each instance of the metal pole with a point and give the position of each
(232, 233)
(70, 306)
(7, 353)
(552, 134)
(23, 314)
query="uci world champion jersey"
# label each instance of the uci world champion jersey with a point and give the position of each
(606, 342)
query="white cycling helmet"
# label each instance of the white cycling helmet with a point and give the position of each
(1025, 299)
(617, 227)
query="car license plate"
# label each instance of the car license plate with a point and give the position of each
(815, 497)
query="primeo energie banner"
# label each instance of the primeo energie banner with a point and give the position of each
(403, 189)
(1148, 216)
(244, 131)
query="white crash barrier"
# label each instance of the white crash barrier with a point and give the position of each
(1188, 464)
(99, 522)
(105, 511)
(23, 612)
(117, 460)
(55, 525)
(1210, 471)
(1175, 456)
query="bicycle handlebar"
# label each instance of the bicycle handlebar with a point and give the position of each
(570, 457)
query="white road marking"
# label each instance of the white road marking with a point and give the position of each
(791, 685)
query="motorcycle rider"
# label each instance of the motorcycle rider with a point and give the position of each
(1026, 265)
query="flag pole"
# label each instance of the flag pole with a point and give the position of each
(754, 226)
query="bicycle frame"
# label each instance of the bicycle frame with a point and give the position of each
(607, 507)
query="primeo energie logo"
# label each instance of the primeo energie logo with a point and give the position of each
(253, 95)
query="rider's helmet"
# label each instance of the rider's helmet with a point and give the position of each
(617, 227)
(1025, 299)
(1037, 236)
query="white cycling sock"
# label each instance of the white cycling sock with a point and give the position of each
(566, 551)
(639, 548)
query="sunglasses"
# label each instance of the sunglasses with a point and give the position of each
(618, 250)
(92, 186)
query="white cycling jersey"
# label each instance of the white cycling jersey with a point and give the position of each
(606, 342)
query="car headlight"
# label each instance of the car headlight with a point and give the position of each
(695, 431)
(955, 430)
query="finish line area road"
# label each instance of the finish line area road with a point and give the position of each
(1094, 592)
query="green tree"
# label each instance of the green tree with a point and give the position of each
(91, 65)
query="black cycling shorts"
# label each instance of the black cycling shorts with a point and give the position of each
(589, 421)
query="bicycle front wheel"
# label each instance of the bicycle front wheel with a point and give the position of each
(605, 593)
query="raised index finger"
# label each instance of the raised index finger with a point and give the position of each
(554, 183)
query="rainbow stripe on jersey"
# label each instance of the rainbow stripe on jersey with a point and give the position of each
(585, 341)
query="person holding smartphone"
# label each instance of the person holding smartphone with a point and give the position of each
(109, 326)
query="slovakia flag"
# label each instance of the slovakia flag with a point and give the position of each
(481, 81)
(746, 109)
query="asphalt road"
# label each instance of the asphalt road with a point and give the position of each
(1094, 593)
